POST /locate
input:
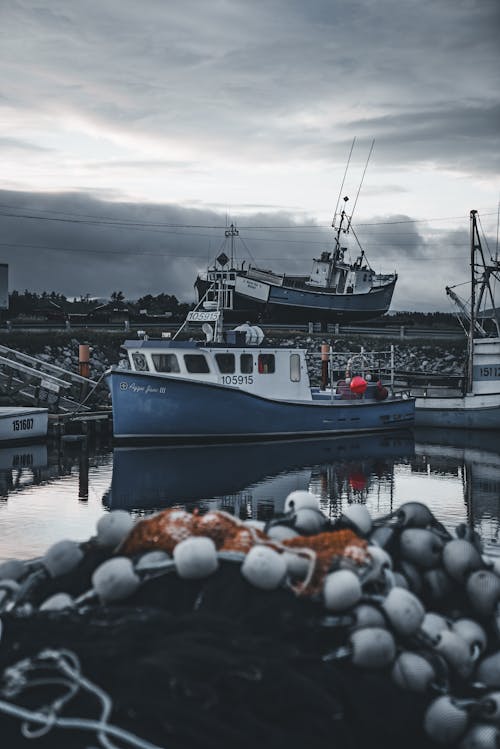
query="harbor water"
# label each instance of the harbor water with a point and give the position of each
(59, 490)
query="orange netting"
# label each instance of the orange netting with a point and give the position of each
(166, 529)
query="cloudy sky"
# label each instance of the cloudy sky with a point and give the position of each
(132, 132)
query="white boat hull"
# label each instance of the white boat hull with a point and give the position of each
(23, 423)
(469, 411)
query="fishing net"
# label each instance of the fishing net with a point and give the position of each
(196, 664)
(216, 663)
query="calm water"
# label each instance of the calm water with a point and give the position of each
(59, 491)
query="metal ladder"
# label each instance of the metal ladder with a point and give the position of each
(29, 380)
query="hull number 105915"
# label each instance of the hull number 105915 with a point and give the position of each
(237, 380)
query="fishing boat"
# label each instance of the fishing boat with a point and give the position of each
(23, 423)
(476, 403)
(338, 289)
(335, 291)
(234, 386)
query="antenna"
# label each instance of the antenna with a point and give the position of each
(232, 232)
(343, 180)
(498, 222)
(360, 185)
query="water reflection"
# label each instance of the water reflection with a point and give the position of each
(31, 465)
(473, 457)
(253, 480)
(56, 490)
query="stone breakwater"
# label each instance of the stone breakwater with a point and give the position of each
(438, 358)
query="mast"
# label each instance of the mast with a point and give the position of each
(232, 232)
(472, 321)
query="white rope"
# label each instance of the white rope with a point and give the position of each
(82, 724)
(46, 718)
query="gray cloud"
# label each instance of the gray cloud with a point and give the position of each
(76, 243)
(272, 80)
(217, 93)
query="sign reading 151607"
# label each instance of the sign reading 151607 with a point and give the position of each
(19, 425)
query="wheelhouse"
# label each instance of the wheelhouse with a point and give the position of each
(269, 372)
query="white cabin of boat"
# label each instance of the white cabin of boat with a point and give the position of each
(277, 373)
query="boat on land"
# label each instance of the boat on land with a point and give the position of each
(475, 403)
(23, 423)
(337, 290)
(234, 386)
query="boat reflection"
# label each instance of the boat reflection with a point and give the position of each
(21, 465)
(473, 456)
(253, 479)
(25, 466)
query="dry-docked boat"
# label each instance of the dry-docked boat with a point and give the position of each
(233, 386)
(477, 404)
(335, 291)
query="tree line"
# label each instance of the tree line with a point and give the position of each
(53, 304)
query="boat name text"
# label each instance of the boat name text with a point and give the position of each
(142, 388)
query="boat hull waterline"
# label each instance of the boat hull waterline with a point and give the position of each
(147, 406)
(467, 412)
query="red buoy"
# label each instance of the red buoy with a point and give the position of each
(358, 385)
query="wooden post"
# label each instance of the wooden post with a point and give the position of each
(325, 355)
(84, 367)
(84, 360)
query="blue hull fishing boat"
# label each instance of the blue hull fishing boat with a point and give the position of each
(154, 406)
(231, 386)
(338, 289)
(476, 405)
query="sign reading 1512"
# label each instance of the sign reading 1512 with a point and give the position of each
(489, 371)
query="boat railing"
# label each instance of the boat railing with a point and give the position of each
(338, 368)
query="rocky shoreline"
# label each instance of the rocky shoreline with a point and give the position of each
(444, 358)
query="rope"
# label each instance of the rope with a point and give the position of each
(82, 403)
(46, 718)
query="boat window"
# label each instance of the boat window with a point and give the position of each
(225, 362)
(246, 363)
(196, 363)
(266, 363)
(295, 367)
(166, 363)
(140, 362)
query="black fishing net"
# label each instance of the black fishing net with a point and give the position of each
(210, 664)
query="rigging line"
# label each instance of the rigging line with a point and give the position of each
(360, 185)
(343, 180)
(484, 236)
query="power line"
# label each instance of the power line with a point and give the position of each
(219, 227)
(164, 254)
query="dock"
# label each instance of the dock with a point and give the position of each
(90, 424)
